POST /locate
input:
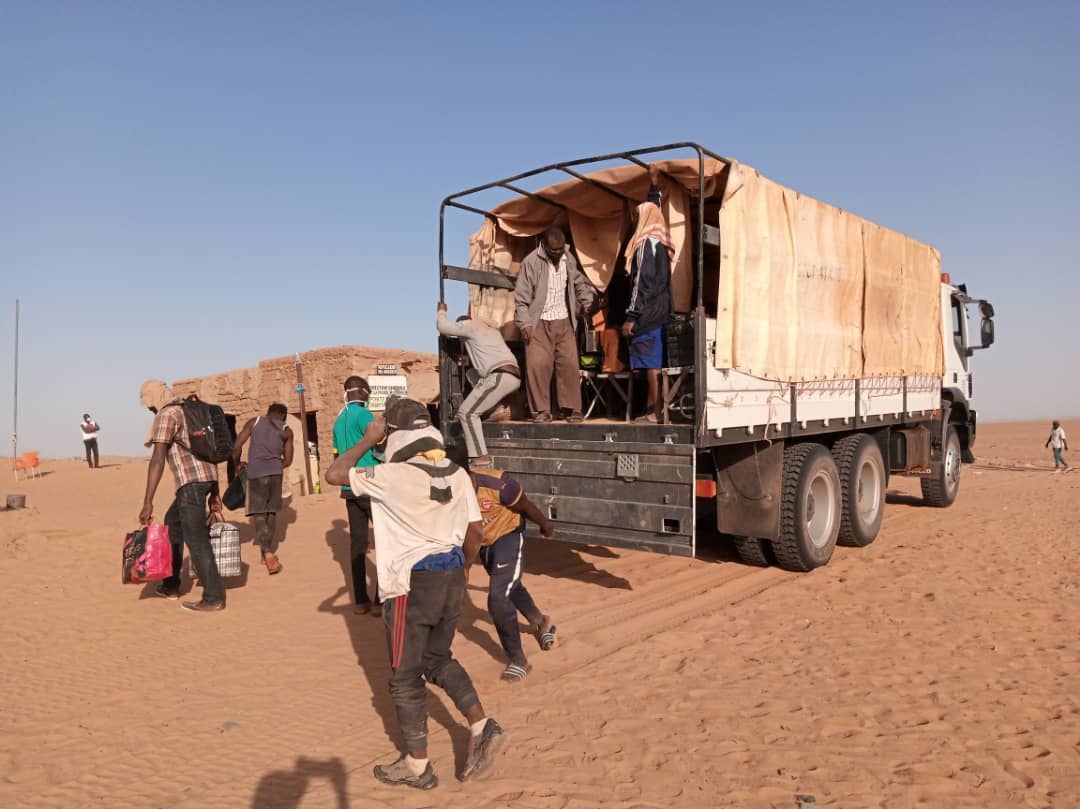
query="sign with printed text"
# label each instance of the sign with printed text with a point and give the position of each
(386, 369)
(383, 386)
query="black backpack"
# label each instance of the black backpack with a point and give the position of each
(208, 431)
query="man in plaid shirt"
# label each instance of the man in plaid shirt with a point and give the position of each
(196, 483)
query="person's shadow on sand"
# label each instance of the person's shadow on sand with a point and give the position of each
(285, 518)
(368, 636)
(284, 789)
(563, 560)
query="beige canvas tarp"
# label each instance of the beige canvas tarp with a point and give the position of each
(808, 291)
(597, 221)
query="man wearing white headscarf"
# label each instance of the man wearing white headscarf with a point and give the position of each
(428, 530)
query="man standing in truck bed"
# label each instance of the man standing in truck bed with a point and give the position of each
(550, 294)
(649, 256)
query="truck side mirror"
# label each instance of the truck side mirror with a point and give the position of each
(986, 332)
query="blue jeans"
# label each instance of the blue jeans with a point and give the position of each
(186, 519)
(1059, 457)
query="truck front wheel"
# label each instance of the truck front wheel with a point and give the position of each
(809, 508)
(940, 489)
(862, 488)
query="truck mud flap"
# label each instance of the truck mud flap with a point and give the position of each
(601, 489)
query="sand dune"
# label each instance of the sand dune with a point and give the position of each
(938, 667)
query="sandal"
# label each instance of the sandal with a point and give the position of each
(541, 418)
(575, 418)
(515, 673)
(272, 564)
(545, 633)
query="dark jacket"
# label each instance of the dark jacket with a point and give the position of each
(530, 291)
(650, 287)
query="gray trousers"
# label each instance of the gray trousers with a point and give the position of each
(420, 629)
(488, 392)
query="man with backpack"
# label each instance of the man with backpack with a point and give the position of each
(171, 438)
(271, 451)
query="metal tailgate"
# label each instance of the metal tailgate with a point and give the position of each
(628, 486)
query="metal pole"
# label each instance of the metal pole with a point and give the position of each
(303, 420)
(15, 426)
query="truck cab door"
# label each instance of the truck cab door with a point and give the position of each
(956, 329)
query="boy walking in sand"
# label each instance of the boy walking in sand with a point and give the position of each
(504, 508)
(427, 530)
(270, 453)
(1059, 444)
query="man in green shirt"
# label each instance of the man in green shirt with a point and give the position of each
(349, 428)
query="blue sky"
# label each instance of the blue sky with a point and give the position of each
(188, 188)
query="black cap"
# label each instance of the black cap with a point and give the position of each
(406, 414)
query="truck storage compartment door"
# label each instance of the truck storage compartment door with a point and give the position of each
(629, 494)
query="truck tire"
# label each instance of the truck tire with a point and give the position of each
(809, 508)
(940, 489)
(753, 551)
(862, 489)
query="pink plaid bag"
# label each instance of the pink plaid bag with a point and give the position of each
(147, 555)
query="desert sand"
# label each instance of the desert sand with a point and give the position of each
(939, 667)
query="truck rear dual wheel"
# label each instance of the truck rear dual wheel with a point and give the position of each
(862, 488)
(753, 551)
(940, 489)
(810, 508)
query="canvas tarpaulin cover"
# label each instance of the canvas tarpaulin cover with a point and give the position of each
(810, 292)
(597, 221)
(806, 291)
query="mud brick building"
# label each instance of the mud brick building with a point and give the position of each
(248, 392)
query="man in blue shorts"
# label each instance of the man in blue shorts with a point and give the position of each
(650, 255)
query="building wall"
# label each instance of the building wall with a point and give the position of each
(248, 392)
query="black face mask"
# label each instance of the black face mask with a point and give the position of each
(553, 255)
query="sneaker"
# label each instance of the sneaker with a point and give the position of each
(399, 774)
(483, 749)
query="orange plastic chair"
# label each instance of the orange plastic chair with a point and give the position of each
(28, 464)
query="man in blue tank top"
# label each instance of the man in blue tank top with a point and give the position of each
(270, 452)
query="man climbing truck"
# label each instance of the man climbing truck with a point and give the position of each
(810, 354)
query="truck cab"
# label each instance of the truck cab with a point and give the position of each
(957, 384)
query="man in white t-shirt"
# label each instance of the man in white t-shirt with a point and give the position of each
(90, 430)
(1059, 444)
(428, 531)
